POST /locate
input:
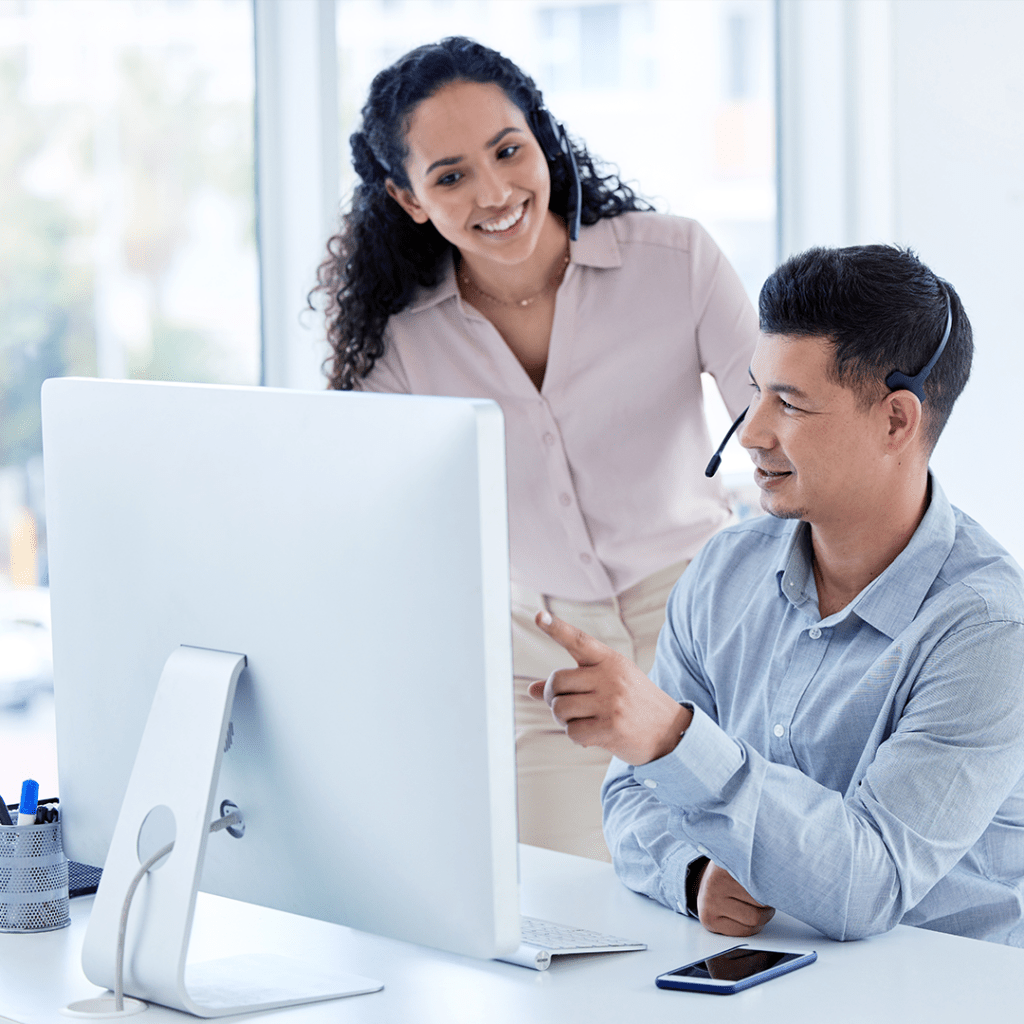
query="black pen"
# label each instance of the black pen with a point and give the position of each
(5, 818)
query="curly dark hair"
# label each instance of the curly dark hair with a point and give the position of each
(380, 256)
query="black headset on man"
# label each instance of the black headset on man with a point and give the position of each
(896, 381)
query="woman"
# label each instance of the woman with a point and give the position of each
(458, 271)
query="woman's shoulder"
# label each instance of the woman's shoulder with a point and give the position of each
(653, 235)
(658, 229)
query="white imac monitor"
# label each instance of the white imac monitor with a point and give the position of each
(319, 584)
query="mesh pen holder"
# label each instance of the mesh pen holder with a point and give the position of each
(33, 879)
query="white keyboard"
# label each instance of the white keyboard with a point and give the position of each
(543, 939)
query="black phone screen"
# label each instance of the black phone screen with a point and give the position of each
(735, 964)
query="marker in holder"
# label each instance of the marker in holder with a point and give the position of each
(33, 879)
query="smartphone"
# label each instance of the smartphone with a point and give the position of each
(733, 970)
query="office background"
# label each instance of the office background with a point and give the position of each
(133, 190)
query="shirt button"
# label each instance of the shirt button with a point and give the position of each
(779, 730)
(549, 438)
(814, 633)
(565, 499)
(585, 558)
(650, 784)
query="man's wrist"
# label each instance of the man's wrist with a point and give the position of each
(675, 731)
(694, 873)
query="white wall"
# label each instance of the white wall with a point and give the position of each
(903, 121)
(959, 200)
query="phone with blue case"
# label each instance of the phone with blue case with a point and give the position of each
(733, 970)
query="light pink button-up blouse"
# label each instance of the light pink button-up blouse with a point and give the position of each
(606, 462)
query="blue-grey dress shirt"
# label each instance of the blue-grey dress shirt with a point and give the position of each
(857, 771)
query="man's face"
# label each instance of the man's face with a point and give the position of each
(818, 452)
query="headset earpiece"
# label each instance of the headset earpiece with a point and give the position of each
(554, 142)
(899, 381)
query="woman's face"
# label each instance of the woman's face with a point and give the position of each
(477, 173)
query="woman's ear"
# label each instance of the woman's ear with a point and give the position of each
(407, 201)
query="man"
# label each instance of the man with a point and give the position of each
(837, 728)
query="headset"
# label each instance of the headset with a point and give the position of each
(554, 141)
(896, 381)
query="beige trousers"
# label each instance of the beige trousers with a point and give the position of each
(559, 782)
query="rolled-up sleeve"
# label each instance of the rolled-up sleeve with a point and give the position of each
(851, 865)
(853, 775)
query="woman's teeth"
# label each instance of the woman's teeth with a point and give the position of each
(506, 222)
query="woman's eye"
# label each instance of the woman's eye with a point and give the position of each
(450, 178)
(507, 151)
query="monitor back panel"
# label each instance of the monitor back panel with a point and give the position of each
(354, 548)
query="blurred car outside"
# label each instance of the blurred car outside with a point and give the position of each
(26, 653)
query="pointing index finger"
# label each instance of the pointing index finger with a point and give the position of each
(582, 646)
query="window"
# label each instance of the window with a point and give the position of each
(126, 250)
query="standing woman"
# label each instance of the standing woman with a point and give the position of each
(485, 256)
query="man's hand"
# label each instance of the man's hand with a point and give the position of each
(607, 701)
(725, 907)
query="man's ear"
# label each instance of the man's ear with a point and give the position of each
(407, 201)
(905, 419)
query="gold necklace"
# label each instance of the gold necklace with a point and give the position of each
(552, 283)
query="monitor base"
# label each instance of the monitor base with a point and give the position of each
(169, 800)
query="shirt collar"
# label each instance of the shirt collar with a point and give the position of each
(597, 246)
(892, 600)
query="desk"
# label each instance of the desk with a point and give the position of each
(906, 976)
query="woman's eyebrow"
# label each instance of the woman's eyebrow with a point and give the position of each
(445, 161)
(497, 138)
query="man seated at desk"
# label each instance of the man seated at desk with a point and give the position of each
(839, 728)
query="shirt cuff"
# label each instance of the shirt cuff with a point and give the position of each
(698, 770)
(693, 871)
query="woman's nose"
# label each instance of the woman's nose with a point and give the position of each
(492, 188)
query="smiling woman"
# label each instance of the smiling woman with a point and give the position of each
(485, 254)
(491, 202)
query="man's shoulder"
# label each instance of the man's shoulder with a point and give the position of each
(980, 571)
(740, 554)
(760, 533)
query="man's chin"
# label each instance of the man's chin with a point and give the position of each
(779, 510)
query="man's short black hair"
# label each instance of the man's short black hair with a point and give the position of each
(883, 310)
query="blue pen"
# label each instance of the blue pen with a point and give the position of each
(29, 802)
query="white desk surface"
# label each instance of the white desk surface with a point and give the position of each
(906, 976)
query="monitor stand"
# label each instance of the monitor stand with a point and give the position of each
(170, 797)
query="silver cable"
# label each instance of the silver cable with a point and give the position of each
(233, 818)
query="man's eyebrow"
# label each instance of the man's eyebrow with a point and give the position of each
(450, 161)
(780, 389)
